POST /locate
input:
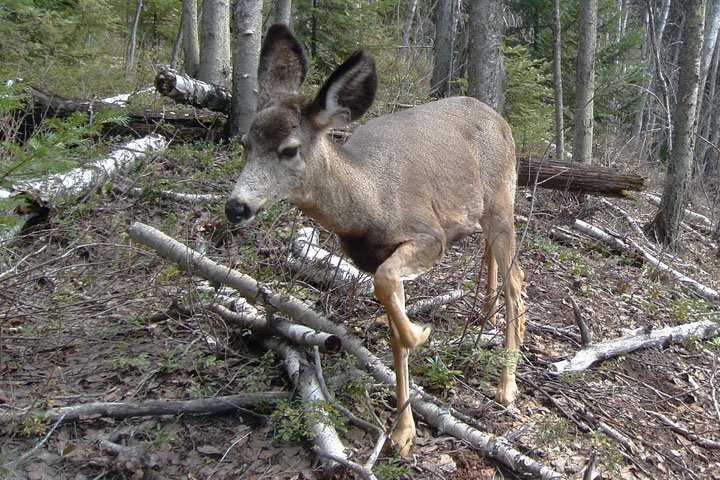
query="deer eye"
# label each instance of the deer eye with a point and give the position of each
(288, 153)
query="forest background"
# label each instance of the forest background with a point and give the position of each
(97, 49)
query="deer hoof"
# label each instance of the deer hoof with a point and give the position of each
(403, 439)
(507, 391)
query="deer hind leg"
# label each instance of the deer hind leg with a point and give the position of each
(503, 249)
(490, 303)
(409, 259)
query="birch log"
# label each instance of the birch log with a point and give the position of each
(641, 338)
(189, 260)
(322, 267)
(81, 180)
(190, 91)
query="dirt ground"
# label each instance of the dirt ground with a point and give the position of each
(87, 315)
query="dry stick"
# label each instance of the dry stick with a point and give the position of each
(323, 434)
(191, 198)
(189, 260)
(120, 410)
(641, 338)
(700, 220)
(598, 234)
(703, 442)
(582, 326)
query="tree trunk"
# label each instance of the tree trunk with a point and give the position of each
(176, 48)
(215, 43)
(585, 89)
(486, 70)
(191, 45)
(408, 22)
(246, 54)
(666, 224)
(283, 11)
(130, 55)
(443, 48)
(712, 27)
(557, 80)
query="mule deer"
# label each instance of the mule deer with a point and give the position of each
(402, 187)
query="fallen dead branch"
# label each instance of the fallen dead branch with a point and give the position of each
(628, 245)
(120, 410)
(191, 198)
(703, 442)
(320, 266)
(187, 259)
(691, 217)
(299, 334)
(641, 338)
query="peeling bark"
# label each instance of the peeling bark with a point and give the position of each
(189, 91)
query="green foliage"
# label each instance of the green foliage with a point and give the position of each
(439, 376)
(396, 467)
(529, 99)
(552, 430)
(608, 450)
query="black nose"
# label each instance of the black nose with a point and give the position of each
(236, 211)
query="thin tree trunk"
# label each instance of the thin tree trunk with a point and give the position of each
(408, 22)
(283, 11)
(176, 48)
(215, 43)
(582, 146)
(443, 48)
(557, 81)
(191, 45)
(486, 69)
(666, 224)
(246, 55)
(130, 56)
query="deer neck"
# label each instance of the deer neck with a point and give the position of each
(336, 190)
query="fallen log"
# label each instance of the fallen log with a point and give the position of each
(439, 418)
(120, 410)
(584, 179)
(641, 338)
(189, 91)
(186, 124)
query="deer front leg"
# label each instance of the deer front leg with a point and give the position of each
(409, 259)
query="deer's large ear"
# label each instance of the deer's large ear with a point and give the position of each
(347, 94)
(283, 64)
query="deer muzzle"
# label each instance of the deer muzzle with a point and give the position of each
(237, 211)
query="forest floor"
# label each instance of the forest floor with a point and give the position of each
(85, 316)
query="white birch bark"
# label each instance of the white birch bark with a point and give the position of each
(246, 55)
(215, 64)
(191, 44)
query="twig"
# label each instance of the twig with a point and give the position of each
(582, 326)
(703, 442)
(28, 454)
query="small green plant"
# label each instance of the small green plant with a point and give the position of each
(161, 435)
(290, 420)
(438, 376)
(395, 468)
(122, 363)
(202, 389)
(33, 426)
(552, 430)
(209, 362)
(608, 451)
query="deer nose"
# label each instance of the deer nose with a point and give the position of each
(237, 211)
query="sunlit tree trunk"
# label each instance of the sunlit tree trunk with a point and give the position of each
(557, 81)
(486, 69)
(408, 22)
(191, 45)
(215, 43)
(666, 224)
(585, 88)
